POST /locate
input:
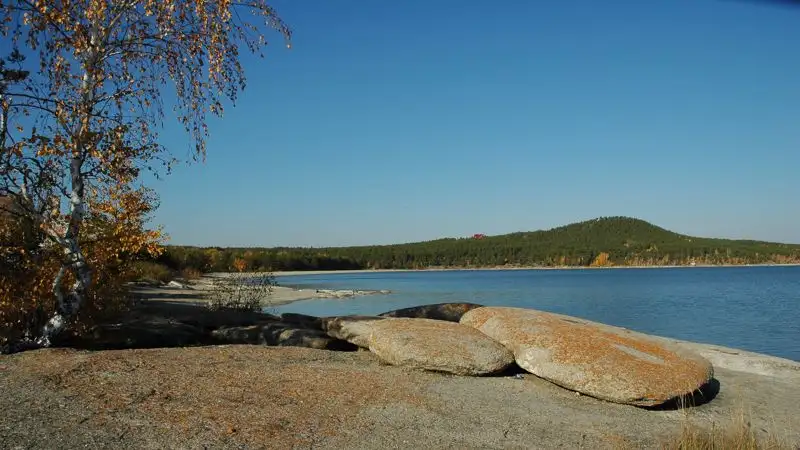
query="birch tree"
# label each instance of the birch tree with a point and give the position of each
(81, 127)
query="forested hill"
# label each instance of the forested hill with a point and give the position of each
(607, 241)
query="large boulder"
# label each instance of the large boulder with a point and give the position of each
(599, 360)
(450, 312)
(353, 329)
(438, 346)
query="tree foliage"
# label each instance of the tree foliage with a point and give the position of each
(81, 98)
(617, 241)
(115, 237)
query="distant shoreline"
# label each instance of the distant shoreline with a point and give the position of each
(280, 295)
(475, 269)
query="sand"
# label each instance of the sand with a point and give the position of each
(198, 291)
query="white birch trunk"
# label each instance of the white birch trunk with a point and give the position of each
(68, 304)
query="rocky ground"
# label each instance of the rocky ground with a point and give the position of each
(257, 396)
(270, 397)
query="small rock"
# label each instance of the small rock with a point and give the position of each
(175, 284)
(287, 334)
(239, 335)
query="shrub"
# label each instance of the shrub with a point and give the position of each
(152, 271)
(240, 292)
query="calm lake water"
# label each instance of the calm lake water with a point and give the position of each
(752, 308)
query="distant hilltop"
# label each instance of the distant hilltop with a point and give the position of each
(601, 242)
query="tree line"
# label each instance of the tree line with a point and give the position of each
(609, 241)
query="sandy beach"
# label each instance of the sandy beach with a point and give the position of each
(199, 291)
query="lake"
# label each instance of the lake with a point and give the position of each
(752, 308)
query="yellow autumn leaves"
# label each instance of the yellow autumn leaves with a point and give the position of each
(114, 236)
(97, 98)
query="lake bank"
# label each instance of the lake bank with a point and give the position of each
(198, 292)
(239, 395)
(754, 308)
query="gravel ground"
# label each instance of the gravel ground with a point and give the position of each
(283, 397)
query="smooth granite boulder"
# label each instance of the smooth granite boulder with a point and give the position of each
(599, 360)
(438, 346)
(353, 329)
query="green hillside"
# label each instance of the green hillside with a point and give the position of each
(607, 241)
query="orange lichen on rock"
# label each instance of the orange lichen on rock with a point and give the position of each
(606, 362)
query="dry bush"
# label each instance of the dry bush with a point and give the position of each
(735, 434)
(152, 272)
(240, 292)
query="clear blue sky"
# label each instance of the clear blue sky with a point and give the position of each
(401, 121)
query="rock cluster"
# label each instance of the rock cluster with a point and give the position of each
(594, 359)
(602, 361)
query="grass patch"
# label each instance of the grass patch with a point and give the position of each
(735, 434)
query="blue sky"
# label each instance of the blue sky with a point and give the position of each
(402, 121)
